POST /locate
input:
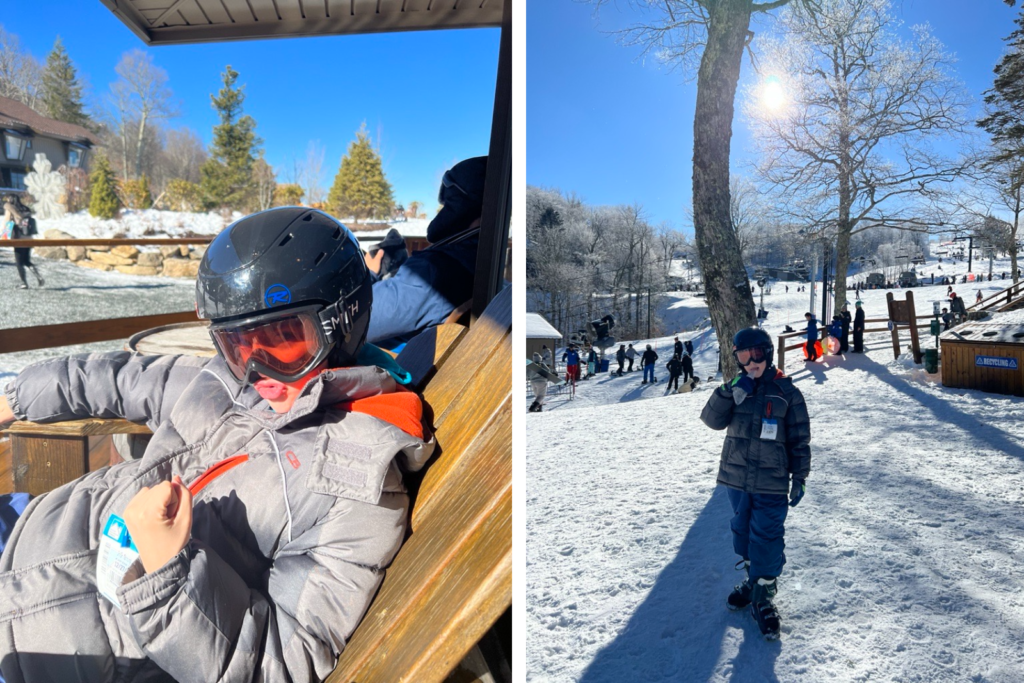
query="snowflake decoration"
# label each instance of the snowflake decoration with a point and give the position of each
(47, 188)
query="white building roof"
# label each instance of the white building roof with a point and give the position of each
(539, 328)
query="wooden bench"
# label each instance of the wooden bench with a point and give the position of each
(452, 579)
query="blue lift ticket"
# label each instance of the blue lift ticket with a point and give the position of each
(118, 562)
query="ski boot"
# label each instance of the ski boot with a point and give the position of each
(740, 596)
(534, 407)
(763, 609)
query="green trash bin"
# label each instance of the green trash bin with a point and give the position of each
(931, 360)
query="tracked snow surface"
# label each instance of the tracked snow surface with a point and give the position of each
(905, 560)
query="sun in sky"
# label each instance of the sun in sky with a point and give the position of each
(773, 95)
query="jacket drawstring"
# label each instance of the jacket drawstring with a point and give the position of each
(224, 384)
(284, 484)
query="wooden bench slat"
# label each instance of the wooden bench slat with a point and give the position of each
(482, 341)
(486, 398)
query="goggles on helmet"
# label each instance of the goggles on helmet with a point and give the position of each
(446, 182)
(745, 357)
(283, 345)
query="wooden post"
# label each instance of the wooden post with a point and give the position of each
(915, 343)
(782, 354)
(895, 327)
(42, 462)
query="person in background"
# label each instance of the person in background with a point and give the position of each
(591, 362)
(675, 368)
(947, 318)
(688, 345)
(571, 358)
(978, 299)
(677, 347)
(433, 282)
(687, 363)
(858, 328)
(812, 338)
(20, 224)
(847, 320)
(387, 256)
(620, 356)
(630, 355)
(647, 362)
(539, 384)
(545, 356)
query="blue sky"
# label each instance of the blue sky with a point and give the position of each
(618, 130)
(428, 93)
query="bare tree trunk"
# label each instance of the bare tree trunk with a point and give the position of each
(1013, 237)
(140, 143)
(730, 304)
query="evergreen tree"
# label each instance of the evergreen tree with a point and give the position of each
(360, 188)
(104, 202)
(62, 93)
(227, 178)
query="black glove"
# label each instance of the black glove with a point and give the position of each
(742, 387)
(796, 494)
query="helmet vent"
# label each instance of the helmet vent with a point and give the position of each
(286, 240)
(319, 258)
(337, 233)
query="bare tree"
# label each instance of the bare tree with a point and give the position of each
(854, 147)
(308, 173)
(709, 35)
(140, 99)
(183, 154)
(264, 180)
(20, 72)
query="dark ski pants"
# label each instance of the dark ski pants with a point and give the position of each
(858, 341)
(630, 369)
(687, 375)
(620, 367)
(812, 350)
(758, 526)
(673, 379)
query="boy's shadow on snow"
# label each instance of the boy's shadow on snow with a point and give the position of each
(641, 390)
(677, 633)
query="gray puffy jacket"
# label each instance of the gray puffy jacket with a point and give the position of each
(287, 548)
(750, 463)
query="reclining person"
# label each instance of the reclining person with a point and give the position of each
(435, 281)
(268, 503)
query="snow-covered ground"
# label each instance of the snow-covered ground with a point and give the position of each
(156, 223)
(904, 559)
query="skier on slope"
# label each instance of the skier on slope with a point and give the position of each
(768, 442)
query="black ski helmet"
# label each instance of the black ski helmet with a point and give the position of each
(751, 337)
(286, 258)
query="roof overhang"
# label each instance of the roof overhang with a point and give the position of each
(168, 22)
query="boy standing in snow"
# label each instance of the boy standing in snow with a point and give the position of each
(812, 338)
(767, 443)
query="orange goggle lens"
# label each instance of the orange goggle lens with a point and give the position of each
(286, 345)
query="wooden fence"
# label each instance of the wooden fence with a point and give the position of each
(781, 347)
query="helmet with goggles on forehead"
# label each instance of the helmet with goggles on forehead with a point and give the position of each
(752, 344)
(284, 289)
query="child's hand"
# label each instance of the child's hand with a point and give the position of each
(159, 520)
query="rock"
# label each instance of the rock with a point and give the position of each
(76, 253)
(51, 252)
(198, 251)
(150, 258)
(110, 258)
(125, 250)
(138, 270)
(178, 267)
(169, 250)
(86, 263)
(54, 234)
(183, 250)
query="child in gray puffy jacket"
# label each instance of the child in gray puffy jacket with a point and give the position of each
(248, 541)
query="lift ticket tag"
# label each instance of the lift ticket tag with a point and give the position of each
(769, 429)
(118, 561)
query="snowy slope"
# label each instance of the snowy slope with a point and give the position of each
(903, 559)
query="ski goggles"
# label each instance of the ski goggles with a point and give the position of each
(755, 354)
(283, 345)
(448, 182)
